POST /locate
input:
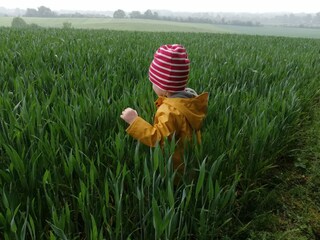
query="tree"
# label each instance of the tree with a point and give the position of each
(119, 14)
(41, 12)
(135, 14)
(45, 12)
(148, 14)
(31, 12)
(317, 17)
(18, 22)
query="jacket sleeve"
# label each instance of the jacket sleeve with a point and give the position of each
(149, 134)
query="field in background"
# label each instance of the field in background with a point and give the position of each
(165, 26)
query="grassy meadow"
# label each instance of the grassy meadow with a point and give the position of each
(70, 171)
(165, 26)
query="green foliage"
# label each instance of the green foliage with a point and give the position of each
(69, 170)
(18, 22)
(289, 208)
(41, 12)
(119, 14)
(67, 25)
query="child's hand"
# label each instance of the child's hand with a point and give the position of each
(129, 115)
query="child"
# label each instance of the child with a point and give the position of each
(180, 111)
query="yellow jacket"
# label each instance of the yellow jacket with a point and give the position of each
(175, 115)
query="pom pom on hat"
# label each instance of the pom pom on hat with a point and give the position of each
(169, 69)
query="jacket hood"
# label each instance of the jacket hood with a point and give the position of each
(194, 108)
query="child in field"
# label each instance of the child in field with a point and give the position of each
(180, 110)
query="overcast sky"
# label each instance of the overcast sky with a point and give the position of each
(253, 6)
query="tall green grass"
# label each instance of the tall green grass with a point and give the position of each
(69, 170)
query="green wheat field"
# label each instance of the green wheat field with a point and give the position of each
(70, 171)
(165, 26)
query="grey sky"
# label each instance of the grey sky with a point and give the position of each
(254, 6)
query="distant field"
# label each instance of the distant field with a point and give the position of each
(165, 26)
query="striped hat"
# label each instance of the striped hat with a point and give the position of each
(169, 69)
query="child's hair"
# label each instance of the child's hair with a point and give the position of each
(170, 67)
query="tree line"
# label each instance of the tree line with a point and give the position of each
(148, 14)
(307, 20)
(41, 12)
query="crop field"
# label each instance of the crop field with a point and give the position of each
(70, 171)
(165, 26)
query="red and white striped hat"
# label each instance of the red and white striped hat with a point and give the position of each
(169, 69)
